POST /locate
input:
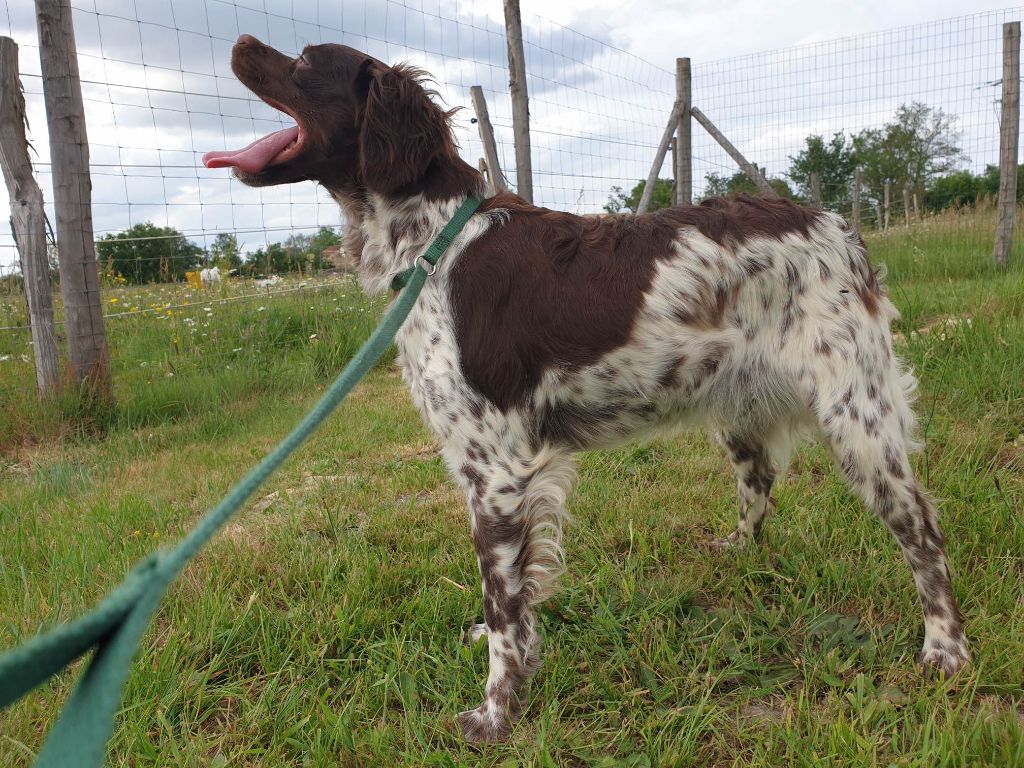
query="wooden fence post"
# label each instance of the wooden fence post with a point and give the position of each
(27, 219)
(855, 214)
(483, 121)
(888, 197)
(815, 191)
(748, 168)
(659, 160)
(683, 164)
(520, 99)
(1009, 129)
(72, 197)
(906, 205)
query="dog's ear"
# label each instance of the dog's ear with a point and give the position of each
(402, 129)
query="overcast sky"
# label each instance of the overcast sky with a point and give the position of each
(159, 92)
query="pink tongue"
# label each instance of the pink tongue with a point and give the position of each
(257, 155)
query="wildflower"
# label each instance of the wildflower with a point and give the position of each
(113, 299)
(312, 336)
(261, 309)
(170, 374)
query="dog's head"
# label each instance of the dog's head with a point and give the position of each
(360, 124)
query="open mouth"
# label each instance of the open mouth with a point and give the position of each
(273, 149)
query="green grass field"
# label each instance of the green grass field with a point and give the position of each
(323, 626)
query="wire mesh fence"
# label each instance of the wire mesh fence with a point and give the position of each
(159, 92)
(916, 109)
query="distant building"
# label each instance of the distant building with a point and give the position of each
(338, 258)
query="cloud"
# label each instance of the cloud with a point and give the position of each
(159, 92)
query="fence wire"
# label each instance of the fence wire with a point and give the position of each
(769, 103)
(158, 93)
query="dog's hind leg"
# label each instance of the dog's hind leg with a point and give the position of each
(516, 512)
(757, 461)
(866, 421)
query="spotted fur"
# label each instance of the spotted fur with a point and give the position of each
(544, 333)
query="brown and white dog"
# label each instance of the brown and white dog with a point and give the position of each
(543, 333)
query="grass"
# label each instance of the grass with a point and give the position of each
(323, 626)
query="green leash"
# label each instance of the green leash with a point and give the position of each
(115, 627)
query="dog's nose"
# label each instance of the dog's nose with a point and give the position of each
(246, 40)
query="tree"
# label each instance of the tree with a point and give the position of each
(958, 189)
(325, 238)
(920, 144)
(147, 253)
(717, 185)
(990, 181)
(619, 202)
(225, 251)
(256, 263)
(298, 253)
(833, 161)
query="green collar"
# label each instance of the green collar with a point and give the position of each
(441, 243)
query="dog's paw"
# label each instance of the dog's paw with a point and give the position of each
(474, 634)
(734, 540)
(945, 658)
(479, 726)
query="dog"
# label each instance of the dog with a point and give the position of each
(543, 333)
(210, 275)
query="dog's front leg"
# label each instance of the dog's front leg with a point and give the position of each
(516, 505)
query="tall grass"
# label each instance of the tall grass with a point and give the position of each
(323, 626)
(171, 362)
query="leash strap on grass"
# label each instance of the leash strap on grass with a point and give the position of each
(115, 628)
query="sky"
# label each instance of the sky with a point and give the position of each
(159, 92)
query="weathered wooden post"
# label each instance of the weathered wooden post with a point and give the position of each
(72, 197)
(855, 214)
(483, 121)
(520, 99)
(748, 167)
(672, 160)
(906, 204)
(888, 197)
(1009, 137)
(815, 191)
(659, 160)
(683, 164)
(27, 219)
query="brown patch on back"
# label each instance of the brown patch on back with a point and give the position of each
(733, 221)
(548, 289)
